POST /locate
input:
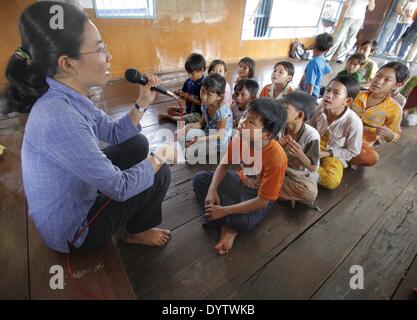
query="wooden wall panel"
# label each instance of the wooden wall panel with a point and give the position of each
(210, 27)
(9, 35)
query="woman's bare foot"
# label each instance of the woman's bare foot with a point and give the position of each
(225, 244)
(154, 237)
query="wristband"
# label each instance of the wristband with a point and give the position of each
(158, 159)
(140, 109)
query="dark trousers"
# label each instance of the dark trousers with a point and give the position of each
(231, 191)
(139, 213)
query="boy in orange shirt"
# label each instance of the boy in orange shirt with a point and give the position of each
(238, 201)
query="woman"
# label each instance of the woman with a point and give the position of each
(68, 180)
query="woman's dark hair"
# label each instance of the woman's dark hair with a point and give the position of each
(373, 44)
(402, 73)
(288, 66)
(302, 102)
(195, 62)
(271, 112)
(251, 85)
(351, 84)
(215, 83)
(215, 63)
(44, 45)
(250, 63)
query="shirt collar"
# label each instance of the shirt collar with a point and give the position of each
(84, 105)
(199, 81)
(343, 116)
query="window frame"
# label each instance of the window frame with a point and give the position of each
(98, 16)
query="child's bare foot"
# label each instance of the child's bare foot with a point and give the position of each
(225, 244)
(154, 237)
(415, 290)
(354, 166)
(172, 111)
(162, 116)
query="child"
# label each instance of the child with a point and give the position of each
(246, 91)
(219, 66)
(410, 108)
(369, 67)
(353, 66)
(301, 143)
(317, 67)
(190, 92)
(245, 69)
(216, 115)
(380, 113)
(238, 201)
(281, 78)
(340, 130)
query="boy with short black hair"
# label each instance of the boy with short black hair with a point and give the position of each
(190, 92)
(353, 67)
(369, 67)
(317, 67)
(238, 201)
(301, 143)
(245, 92)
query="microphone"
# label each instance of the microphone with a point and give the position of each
(134, 76)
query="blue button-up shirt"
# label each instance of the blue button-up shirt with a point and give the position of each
(193, 87)
(63, 167)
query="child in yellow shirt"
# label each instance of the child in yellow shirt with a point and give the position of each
(380, 113)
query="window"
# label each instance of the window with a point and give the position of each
(286, 19)
(143, 9)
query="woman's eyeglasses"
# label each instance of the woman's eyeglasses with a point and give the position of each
(103, 49)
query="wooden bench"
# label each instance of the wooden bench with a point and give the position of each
(25, 261)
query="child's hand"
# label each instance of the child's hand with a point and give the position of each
(185, 96)
(284, 141)
(324, 154)
(294, 149)
(183, 131)
(191, 142)
(385, 132)
(212, 198)
(214, 212)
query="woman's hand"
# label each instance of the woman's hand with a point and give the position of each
(385, 133)
(146, 95)
(168, 153)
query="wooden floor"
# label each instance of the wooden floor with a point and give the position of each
(370, 221)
